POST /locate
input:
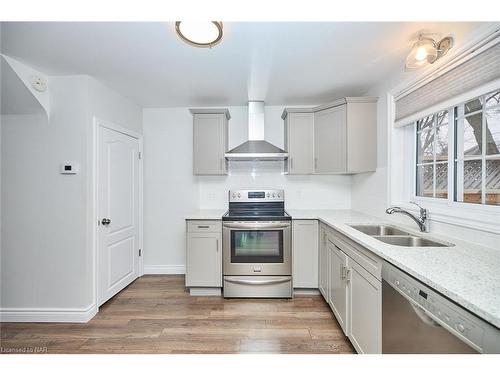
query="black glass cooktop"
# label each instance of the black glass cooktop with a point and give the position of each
(256, 211)
(256, 215)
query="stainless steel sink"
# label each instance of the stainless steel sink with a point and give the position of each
(411, 241)
(379, 230)
(397, 237)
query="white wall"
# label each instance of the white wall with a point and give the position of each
(106, 104)
(171, 191)
(46, 252)
(45, 260)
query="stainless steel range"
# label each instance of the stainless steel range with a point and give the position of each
(256, 245)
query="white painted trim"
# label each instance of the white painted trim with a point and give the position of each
(48, 315)
(141, 206)
(118, 128)
(165, 269)
(391, 114)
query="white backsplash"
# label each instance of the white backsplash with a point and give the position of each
(307, 192)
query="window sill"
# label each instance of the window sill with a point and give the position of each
(466, 215)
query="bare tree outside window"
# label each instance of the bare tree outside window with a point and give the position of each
(476, 148)
(432, 156)
(477, 154)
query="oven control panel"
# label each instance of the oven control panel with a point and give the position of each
(269, 195)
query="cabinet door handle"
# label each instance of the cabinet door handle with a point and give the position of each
(315, 164)
(291, 163)
(217, 244)
(203, 226)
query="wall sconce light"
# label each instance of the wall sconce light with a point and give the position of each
(427, 51)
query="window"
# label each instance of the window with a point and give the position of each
(475, 152)
(432, 156)
(477, 155)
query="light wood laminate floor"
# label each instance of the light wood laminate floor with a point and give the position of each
(155, 314)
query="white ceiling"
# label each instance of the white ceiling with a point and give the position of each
(281, 63)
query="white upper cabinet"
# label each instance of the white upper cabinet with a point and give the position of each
(341, 140)
(330, 140)
(299, 142)
(305, 253)
(210, 141)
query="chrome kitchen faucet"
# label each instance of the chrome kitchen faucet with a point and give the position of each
(421, 221)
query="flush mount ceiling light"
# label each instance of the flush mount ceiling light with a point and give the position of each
(200, 34)
(427, 51)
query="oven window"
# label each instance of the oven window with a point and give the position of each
(256, 246)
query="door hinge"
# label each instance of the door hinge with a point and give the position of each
(140, 252)
(140, 155)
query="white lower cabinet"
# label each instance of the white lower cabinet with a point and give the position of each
(305, 253)
(353, 293)
(204, 254)
(323, 261)
(365, 305)
(337, 291)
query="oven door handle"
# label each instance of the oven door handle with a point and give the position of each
(256, 226)
(237, 280)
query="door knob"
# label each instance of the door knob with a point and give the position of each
(105, 221)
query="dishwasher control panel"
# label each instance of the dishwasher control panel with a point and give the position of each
(469, 328)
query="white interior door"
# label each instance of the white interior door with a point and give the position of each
(118, 210)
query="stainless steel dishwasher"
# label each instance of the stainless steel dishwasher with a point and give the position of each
(417, 319)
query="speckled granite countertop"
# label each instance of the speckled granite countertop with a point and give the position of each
(466, 273)
(206, 215)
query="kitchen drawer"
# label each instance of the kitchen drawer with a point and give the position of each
(204, 226)
(367, 259)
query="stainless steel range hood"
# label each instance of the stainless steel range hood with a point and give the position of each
(256, 148)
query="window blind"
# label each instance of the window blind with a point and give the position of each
(473, 73)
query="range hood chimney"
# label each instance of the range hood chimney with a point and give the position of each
(256, 148)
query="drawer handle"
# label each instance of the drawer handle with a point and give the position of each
(259, 282)
(203, 226)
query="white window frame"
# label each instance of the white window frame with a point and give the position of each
(402, 174)
(450, 200)
(483, 157)
(434, 163)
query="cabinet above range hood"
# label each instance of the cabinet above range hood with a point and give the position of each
(256, 148)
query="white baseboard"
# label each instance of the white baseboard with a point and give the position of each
(45, 315)
(165, 269)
